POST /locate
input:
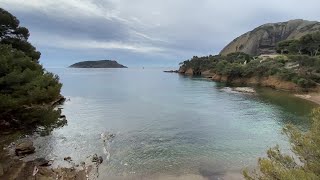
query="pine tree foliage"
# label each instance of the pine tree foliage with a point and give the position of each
(27, 90)
(305, 146)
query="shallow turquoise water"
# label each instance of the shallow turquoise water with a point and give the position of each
(167, 123)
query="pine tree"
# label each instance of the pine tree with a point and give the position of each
(26, 89)
(305, 146)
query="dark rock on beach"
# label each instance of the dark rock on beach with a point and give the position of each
(24, 148)
(41, 162)
(97, 159)
(67, 159)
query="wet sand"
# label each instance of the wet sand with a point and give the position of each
(227, 176)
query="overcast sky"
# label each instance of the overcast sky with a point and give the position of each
(145, 32)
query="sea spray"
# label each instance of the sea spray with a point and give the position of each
(107, 138)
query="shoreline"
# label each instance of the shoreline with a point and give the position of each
(23, 167)
(312, 97)
(271, 82)
(27, 166)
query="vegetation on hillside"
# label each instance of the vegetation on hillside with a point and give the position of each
(305, 164)
(308, 44)
(296, 66)
(27, 90)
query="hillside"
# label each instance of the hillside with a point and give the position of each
(263, 39)
(98, 64)
(284, 63)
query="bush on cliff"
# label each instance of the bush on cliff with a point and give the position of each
(26, 89)
(308, 44)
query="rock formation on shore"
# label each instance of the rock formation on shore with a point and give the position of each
(25, 147)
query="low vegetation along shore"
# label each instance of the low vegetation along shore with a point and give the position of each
(295, 73)
(298, 73)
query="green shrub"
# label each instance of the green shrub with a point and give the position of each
(286, 74)
(23, 85)
(305, 165)
(303, 82)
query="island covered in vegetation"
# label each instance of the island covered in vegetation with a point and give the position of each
(98, 64)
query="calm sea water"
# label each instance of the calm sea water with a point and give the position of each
(167, 123)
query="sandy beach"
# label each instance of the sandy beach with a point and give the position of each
(313, 97)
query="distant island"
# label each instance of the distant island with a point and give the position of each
(98, 64)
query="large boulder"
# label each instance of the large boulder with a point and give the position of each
(24, 147)
(263, 39)
(97, 159)
(41, 162)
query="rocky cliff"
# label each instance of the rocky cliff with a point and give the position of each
(263, 39)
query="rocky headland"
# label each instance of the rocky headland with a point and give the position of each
(263, 39)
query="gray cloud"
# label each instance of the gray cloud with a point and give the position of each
(166, 29)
